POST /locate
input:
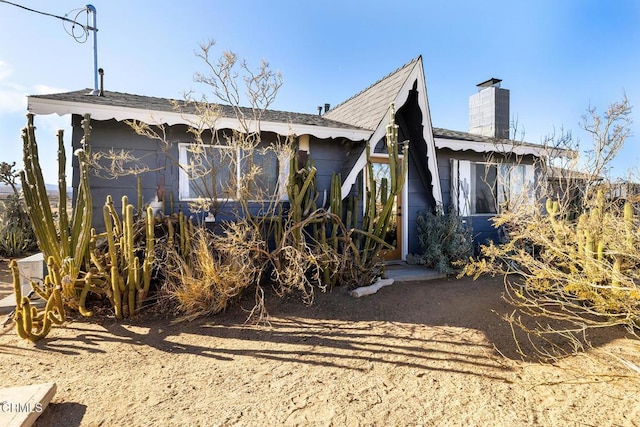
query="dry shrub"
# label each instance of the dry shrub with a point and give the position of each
(299, 261)
(221, 267)
(572, 264)
(578, 275)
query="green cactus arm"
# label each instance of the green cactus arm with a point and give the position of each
(149, 251)
(32, 166)
(82, 215)
(132, 286)
(117, 293)
(56, 315)
(38, 330)
(117, 224)
(128, 247)
(88, 281)
(62, 194)
(20, 327)
(37, 205)
(95, 260)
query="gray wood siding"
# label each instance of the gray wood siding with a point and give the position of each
(328, 158)
(444, 170)
(115, 135)
(419, 200)
(482, 226)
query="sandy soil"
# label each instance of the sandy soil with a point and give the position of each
(419, 353)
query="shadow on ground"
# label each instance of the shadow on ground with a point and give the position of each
(67, 414)
(426, 325)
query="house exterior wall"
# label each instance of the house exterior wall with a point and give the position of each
(481, 224)
(110, 134)
(328, 156)
(418, 201)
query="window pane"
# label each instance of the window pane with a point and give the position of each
(211, 172)
(511, 185)
(485, 177)
(260, 174)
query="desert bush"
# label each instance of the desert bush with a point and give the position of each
(15, 242)
(572, 261)
(445, 241)
(16, 234)
(221, 267)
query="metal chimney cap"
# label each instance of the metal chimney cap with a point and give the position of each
(491, 82)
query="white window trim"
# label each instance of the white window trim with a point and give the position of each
(462, 185)
(183, 177)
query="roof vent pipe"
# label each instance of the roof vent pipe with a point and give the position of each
(327, 107)
(101, 72)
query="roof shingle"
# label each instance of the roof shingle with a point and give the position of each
(149, 103)
(367, 108)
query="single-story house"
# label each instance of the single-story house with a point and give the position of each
(456, 169)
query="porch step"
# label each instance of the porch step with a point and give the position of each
(21, 406)
(403, 272)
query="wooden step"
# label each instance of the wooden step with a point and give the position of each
(21, 406)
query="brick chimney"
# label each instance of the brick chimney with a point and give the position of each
(489, 110)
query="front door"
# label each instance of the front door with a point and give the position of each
(381, 173)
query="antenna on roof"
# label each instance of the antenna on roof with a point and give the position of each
(94, 28)
(80, 33)
(80, 36)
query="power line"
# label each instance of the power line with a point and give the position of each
(86, 28)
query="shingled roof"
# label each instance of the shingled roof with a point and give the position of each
(464, 136)
(456, 140)
(149, 103)
(367, 108)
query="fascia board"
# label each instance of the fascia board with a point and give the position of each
(106, 112)
(504, 148)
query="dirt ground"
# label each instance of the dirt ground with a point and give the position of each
(416, 353)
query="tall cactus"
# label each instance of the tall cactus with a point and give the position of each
(68, 249)
(129, 276)
(65, 252)
(376, 223)
(30, 323)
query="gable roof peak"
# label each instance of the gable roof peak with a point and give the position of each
(366, 108)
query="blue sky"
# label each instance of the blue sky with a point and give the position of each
(556, 57)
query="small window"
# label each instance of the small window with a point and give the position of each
(489, 188)
(207, 172)
(260, 170)
(484, 185)
(211, 172)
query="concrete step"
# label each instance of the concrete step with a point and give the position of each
(8, 303)
(21, 406)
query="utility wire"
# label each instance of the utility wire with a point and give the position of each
(64, 18)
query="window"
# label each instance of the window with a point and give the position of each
(260, 168)
(207, 171)
(484, 184)
(488, 188)
(212, 172)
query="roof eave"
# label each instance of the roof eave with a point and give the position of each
(503, 146)
(43, 106)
